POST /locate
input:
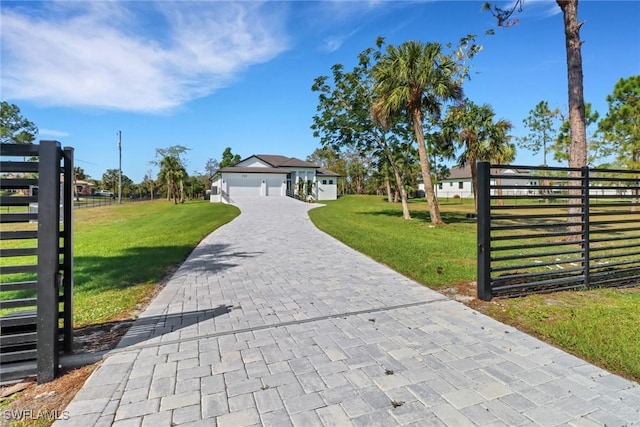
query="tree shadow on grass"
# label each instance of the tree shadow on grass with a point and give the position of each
(138, 265)
(447, 217)
(93, 274)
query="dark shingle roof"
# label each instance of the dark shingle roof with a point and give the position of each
(273, 160)
(241, 169)
(279, 161)
(457, 172)
(327, 172)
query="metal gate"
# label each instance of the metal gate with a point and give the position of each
(36, 263)
(550, 229)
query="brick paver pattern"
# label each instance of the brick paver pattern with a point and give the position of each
(272, 322)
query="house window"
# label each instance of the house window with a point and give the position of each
(324, 182)
(330, 182)
(460, 185)
(440, 186)
(451, 184)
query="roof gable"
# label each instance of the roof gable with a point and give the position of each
(283, 161)
(271, 163)
(326, 172)
(272, 159)
(253, 162)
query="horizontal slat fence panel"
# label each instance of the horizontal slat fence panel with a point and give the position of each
(549, 229)
(37, 259)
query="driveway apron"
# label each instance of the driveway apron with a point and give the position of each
(272, 322)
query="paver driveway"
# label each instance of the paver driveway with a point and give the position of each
(272, 322)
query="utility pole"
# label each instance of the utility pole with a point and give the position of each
(119, 167)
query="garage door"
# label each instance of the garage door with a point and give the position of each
(274, 187)
(244, 187)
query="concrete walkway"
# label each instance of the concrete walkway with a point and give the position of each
(272, 322)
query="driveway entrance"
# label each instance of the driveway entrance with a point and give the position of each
(273, 322)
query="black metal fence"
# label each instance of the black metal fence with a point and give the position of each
(550, 229)
(36, 263)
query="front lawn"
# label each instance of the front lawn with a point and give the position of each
(431, 255)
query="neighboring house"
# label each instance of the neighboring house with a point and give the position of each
(83, 188)
(268, 175)
(458, 183)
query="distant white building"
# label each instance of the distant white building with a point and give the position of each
(459, 185)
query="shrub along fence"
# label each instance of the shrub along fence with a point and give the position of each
(36, 264)
(550, 229)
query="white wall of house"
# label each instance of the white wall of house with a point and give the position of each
(449, 189)
(327, 188)
(463, 187)
(216, 193)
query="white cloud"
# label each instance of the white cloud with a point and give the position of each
(133, 56)
(53, 132)
(552, 10)
(333, 43)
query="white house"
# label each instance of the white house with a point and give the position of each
(458, 183)
(267, 175)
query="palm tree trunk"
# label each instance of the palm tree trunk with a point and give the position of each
(400, 187)
(474, 182)
(387, 183)
(425, 168)
(404, 200)
(499, 185)
(578, 147)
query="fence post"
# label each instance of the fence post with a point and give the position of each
(586, 226)
(48, 260)
(67, 237)
(484, 231)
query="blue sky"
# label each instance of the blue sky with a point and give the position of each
(209, 75)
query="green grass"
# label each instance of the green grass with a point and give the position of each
(599, 325)
(123, 251)
(431, 255)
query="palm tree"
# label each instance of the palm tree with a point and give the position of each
(172, 173)
(480, 137)
(504, 154)
(415, 79)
